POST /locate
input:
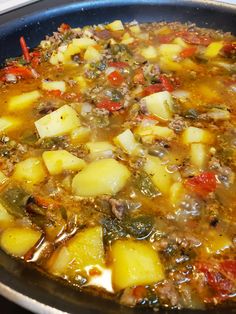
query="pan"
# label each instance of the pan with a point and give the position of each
(19, 282)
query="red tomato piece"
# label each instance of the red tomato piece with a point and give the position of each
(139, 292)
(188, 52)
(194, 39)
(109, 105)
(165, 39)
(166, 84)
(54, 93)
(18, 71)
(118, 64)
(229, 267)
(64, 27)
(202, 184)
(115, 78)
(35, 57)
(229, 48)
(155, 88)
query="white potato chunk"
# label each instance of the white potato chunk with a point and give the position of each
(198, 155)
(169, 50)
(8, 123)
(54, 85)
(92, 55)
(149, 53)
(59, 122)
(23, 101)
(116, 26)
(126, 141)
(105, 176)
(160, 104)
(97, 147)
(197, 135)
(59, 160)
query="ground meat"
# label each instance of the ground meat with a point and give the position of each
(178, 124)
(118, 207)
(103, 34)
(224, 174)
(167, 293)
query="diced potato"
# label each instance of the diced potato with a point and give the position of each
(176, 193)
(8, 123)
(57, 57)
(159, 175)
(213, 49)
(154, 132)
(126, 141)
(198, 155)
(169, 50)
(135, 29)
(135, 263)
(188, 64)
(127, 39)
(116, 26)
(105, 176)
(59, 160)
(54, 85)
(92, 55)
(5, 218)
(30, 171)
(23, 100)
(18, 241)
(160, 104)
(216, 242)
(97, 147)
(197, 135)
(83, 250)
(81, 134)
(3, 178)
(180, 42)
(59, 122)
(167, 64)
(82, 82)
(149, 53)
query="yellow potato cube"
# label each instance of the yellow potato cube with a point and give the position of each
(8, 123)
(127, 39)
(23, 101)
(176, 193)
(198, 155)
(169, 50)
(18, 241)
(97, 147)
(54, 85)
(213, 49)
(59, 122)
(167, 64)
(180, 42)
(59, 160)
(81, 134)
(56, 58)
(160, 104)
(84, 42)
(116, 26)
(216, 242)
(83, 250)
(149, 53)
(135, 263)
(92, 55)
(126, 141)
(5, 218)
(135, 29)
(154, 131)
(159, 175)
(82, 82)
(105, 176)
(197, 135)
(30, 171)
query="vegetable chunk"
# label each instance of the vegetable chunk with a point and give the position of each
(60, 160)
(197, 135)
(160, 104)
(8, 123)
(106, 176)
(23, 101)
(59, 122)
(18, 241)
(135, 263)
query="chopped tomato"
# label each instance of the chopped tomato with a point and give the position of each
(188, 52)
(165, 39)
(147, 116)
(35, 57)
(139, 292)
(18, 71)
(25, 49)
(215, 279)
(229, 48)
(109, 105)
(118, 64)
(229, 267)
(115, 78)
(166, 84)
(139, 76)
(202, 184)
(54, 93)
(64, 27)
(155, 88)
(94, 271)
(194, 38)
